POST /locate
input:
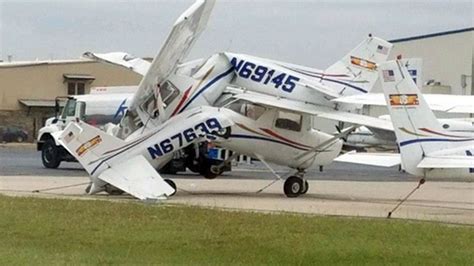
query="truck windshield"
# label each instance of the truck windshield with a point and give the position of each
(69, 108)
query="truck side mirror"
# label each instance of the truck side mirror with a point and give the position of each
(56, 108)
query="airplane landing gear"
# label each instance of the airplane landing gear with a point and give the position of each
(111, 190)
(305, 187)
(172, 184)
(295, 186)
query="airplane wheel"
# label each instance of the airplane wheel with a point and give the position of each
(88, 188)
(224, 133)
(111, 190)
(207, 170)
(305, 188)
(292, 187)
(172, 184)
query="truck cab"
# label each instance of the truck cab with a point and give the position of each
(102, 106)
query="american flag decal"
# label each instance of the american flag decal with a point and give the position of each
(388, 75)
(68, 137)
(403, 99)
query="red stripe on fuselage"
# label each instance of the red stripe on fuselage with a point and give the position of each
(181, 102)
(283, 138)
(442, 134)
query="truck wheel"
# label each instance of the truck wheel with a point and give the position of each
(50, 154)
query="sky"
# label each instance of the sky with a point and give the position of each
(307, 32)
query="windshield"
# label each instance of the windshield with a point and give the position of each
(69, 108)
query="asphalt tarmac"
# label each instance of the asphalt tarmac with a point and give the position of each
(341, 189)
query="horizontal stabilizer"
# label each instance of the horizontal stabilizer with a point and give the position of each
(374, 159)
(436, 102)
(137, 65)
(138, 178)
(454, 161)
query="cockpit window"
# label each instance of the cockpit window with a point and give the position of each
(169, 92)
(250, 110)
(288, 121)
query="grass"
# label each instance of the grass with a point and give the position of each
(56, 231)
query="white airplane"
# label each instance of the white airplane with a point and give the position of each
(426, 148)
(364, 137)
(131, 165)
(162, 112)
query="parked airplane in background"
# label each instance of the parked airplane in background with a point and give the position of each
(426, 148)
(365, 137)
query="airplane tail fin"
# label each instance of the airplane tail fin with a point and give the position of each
(414, 67)
(88, 144)
(417, 129)
(356, 72)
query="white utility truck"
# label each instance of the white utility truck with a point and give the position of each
(102, 106)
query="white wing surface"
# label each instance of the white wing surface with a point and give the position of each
(177, 46)
(137, 177)
(137, 65)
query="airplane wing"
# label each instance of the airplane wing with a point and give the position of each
(137, 177)
(315, 110)
(374, 159)
(453, 161)
(437, 102)
(176, 47)
(137, 65)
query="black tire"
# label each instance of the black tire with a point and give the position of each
(205, 170)
(305, 188)
(50, 154)
(292, 187)
(111, 190)
(88, 188)
(20, 139)
(225, 133)
(172, 184)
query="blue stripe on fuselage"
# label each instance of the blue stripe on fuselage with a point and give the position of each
(331, 80)
(214, 80)
(408, 142)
